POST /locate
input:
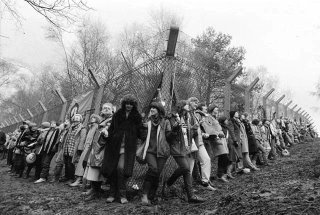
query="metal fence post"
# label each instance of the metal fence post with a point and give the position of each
(64, 106)
(286, 107)
(277, 105)
(227, 90)
(247, 94)
(264, 100)
(45, 110)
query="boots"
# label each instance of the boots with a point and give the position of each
(147, 185)
(223, 178)
(77, 182)
(94, 192)
(229, 170)
(192, 198)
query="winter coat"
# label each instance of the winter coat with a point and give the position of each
(211, 126)
(2, 138)
(243, 138)
(80, 137)
(265, 137)
(98, 145)
(252, 143)
(50, 142)
(122, 128)
(234, 130)
(40, 140)
(163, 131)
(176, 139)
(233, 152)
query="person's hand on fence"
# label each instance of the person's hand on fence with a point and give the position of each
(105, 133)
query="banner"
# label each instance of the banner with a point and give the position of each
(80, 104)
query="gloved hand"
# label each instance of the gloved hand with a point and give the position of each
(79, 152)
(84, 164)
(236, 144)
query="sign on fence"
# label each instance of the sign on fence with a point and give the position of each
(80, 104)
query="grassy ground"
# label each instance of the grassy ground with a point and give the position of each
(288, 186)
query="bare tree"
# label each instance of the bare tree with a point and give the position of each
(53, 11)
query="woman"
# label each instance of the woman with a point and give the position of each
(93, 160)
(92, 127)
(120, 151)
(232, 156)
(213, 135)
(245, 146)
(234, 129)
(256, 124)
(265, 134)
(156, 149)
(183, 148)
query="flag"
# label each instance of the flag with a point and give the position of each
(80, 104)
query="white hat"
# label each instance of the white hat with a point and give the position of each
(31, 158)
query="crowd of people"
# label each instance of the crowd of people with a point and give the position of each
(105, 149)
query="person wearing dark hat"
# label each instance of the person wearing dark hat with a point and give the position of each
(156, 149)
(120, 151)
(183, 148)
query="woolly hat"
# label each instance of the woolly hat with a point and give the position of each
(232, 113)
(159, 107)
(45, 125)
(193, 99)
(211, 108)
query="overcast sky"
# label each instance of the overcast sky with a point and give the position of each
(282, 35)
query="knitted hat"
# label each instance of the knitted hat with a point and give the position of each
(45, 125)
(159, 107)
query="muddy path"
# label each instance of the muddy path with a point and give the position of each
(288, 186)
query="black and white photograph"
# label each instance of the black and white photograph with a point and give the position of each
(207, 107)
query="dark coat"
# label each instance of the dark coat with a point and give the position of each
(233, 152)
(175, 138)
(251, 138)
(120, 127)
(2, 138)
(234, 132)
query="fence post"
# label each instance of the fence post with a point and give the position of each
(21, 117)
(292, 111)
(264, 100)
(29, 112)
(247, 95)
(286, 107)
(15, 118)
(45, 110)
(277, 105)
(227, 90)
(297, 114)
(64, 106)
(99, 93)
